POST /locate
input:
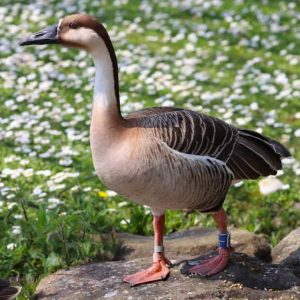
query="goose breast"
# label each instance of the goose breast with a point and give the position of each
(149, 172)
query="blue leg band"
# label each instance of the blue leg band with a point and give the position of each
(224, 240)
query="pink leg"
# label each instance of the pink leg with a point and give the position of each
(218, 263)
(160, 268)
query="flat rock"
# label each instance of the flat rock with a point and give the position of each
(195, 242)
(247, 276)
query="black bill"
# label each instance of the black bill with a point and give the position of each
(45, 36)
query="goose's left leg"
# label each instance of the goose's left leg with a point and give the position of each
(218, 263)
(160, 267)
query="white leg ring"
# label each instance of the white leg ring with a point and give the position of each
(158, 249)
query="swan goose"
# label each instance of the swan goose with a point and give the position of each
(166, 158)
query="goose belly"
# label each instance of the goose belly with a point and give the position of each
(184, 185)
(169, 180)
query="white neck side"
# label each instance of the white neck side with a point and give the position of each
(104, 89)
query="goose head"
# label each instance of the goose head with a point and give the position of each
(85, 32)
(77, 31)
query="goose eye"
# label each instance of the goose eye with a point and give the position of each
(73, 25)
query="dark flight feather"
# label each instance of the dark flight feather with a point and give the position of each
(248, 154)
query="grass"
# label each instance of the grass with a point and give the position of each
(215, 58)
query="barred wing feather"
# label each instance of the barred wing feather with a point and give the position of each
(246, 153)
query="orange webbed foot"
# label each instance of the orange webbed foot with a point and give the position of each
(158, 271)
(213, 265)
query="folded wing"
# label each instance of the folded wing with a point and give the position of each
(246, 153)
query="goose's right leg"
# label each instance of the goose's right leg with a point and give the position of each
(160, 267)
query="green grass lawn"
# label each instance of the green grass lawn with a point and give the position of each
(237, 60)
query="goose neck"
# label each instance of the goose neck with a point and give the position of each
(106, 86)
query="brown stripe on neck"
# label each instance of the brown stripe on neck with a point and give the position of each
(99, 28)
(90, 22)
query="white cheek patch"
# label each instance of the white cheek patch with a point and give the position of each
(58, 28)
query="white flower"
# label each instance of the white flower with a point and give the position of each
(18, 217)
(37, 191)
(242, 121)
(16, 230)
(54, 187)
(296, 84)
(279, 173)
(54, 202)
(288, 161)
(11, 246)
(111, 193)
(270, 185)
(28, 172)
(254, 106)
(11, 158)
(66, 162)
(293, 61)
(281, 78)
(11, 205)
(123, 203)
(125, 222)
(297, 132)
(43, 172)
(168, 103)
(296, 171)
(74, 188)
(238, 183)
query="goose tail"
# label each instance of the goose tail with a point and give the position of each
(280, 149)
(255, 155)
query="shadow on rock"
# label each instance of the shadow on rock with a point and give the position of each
(253, 273)
(122, 252)
(292, 262)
